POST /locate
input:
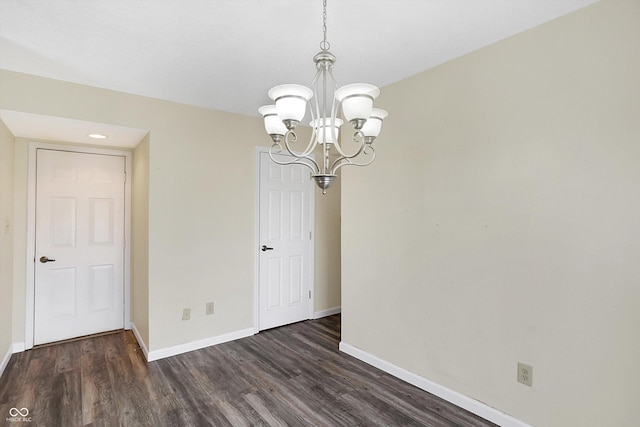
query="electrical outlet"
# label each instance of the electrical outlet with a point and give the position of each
(525, 374)
(186, 314)
(209, 309)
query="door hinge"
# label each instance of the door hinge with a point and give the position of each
(125, 177)
(309, 235)
(309, 294)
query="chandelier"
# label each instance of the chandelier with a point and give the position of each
(324, 100)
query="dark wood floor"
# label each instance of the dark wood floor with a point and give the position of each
(289, 376)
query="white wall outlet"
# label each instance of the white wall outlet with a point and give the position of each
(186, 314)
(209, 309)
(525, 374)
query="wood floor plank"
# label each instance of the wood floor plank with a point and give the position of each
(270, 418)
(98, 392)
(174, 410)
(289, 376)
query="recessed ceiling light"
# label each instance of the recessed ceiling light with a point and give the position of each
(97, 136)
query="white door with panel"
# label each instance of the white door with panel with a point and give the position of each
(79, 256)
(285, 243)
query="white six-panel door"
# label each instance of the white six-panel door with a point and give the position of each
(285, 242)
(79, 256)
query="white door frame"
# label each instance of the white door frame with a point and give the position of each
(257, 243)
(31, 229)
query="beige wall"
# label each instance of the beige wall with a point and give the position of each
(201, 224)
(6, 238)
(21, 159)
(501, 223)
(327, 248)
(140, 239)
(201, 204)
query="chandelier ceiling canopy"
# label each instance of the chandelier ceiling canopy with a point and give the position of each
(325, 102)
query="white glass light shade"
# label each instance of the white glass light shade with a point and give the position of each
(373, 125)
(357, 100)
(323, 131)
(291, 101)
(272, 123)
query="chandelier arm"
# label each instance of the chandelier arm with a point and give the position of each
(357, 135)
(298, 160)
(334, 111)
(315, 113)
(312, 167)
(302, 160)
(345, 161)
(307, 151)
(333, 79)
(277, 148)
(291, 137)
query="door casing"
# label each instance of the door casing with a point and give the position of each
(31, 230)
(256, 292)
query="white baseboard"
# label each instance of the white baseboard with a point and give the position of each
(325, 313)
(196, 345)
(141, 342)
(5, 359)
(18, 347)
(460, 400)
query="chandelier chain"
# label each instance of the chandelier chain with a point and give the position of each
(324, 45)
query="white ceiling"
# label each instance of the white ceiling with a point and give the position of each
(226, 54)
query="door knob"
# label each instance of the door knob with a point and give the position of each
(44, 259)
(266, 248)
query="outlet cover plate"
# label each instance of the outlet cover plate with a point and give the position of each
(525, 374)
(209, 308)
(186, 314)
